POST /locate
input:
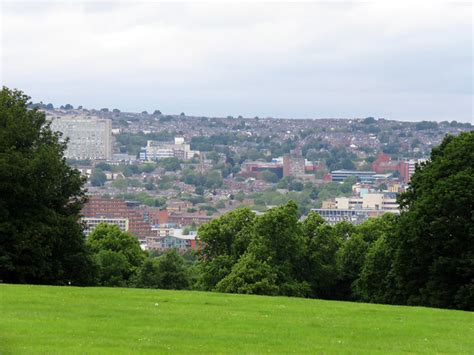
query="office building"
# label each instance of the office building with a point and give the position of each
(361, 176)
(155, 150)
(92, 222)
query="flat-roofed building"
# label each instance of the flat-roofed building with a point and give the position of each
(362, 176)
(375, 201)
(89, 137)
(155, 150)
(293, 165)
(92, 222)
(98, 207)
(353, 216)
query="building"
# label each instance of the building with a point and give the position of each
(361, 176)
(358, 209)
(353, 216)
(103, 208)
(283, 166)
(256, 168)
(92, 222)
(186, 219)
(168, 237)
(155, 150)
(89, 137)
(386, 201)
(406, 168)
(384, 164)
(293, 166)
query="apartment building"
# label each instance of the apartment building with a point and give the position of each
(89, 137)
(293, 165)
(102, 208)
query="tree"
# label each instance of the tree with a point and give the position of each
(240, 196)
(98, 178)
(113, 268)
(156, 113)
(120, 183)
(296, 185)
(250, 276)
(150, 186)
(347, 163)
(322, 244)
(269, 176)
(117, 253)
(41, 197)
(278, 241)
(434, 260)
(374, 281)
(224, 240)
(104, 166)
(170, 164)
(172, 270)
(214, 156)
(199, 190)
(368, 120)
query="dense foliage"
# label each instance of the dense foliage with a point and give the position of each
(423, 257)
(41, 240)
(434, 248)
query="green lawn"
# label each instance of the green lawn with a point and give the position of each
(106, 320)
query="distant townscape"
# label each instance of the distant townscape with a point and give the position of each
(160, 176)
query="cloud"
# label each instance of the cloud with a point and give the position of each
(391, 59)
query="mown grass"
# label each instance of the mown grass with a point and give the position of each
(42, 319)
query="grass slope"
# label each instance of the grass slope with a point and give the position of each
(107, 320)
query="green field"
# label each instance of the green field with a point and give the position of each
(113, 320)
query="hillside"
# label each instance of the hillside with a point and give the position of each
(114, 320)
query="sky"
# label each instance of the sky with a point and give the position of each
(403, 60)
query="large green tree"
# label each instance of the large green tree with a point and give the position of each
(41, 197)
(279, 243)
(224, 241)
(434, 260)
(169, 271)
(322, 244)
(118, 254)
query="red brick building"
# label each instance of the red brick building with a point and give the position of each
(115, 208)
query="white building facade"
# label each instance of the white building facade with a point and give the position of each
(89, 137)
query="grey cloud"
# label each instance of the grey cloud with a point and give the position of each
(290, 60)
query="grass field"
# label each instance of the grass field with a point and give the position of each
(106, 320)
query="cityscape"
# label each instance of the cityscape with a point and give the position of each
(236, 177)
(157, 177)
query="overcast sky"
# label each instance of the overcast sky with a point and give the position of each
(393, 59)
